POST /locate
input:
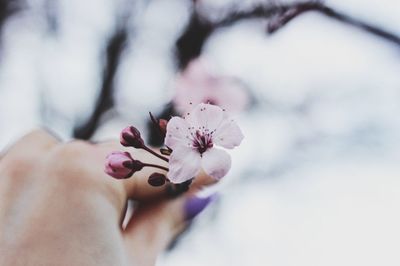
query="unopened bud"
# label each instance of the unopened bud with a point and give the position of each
(130, 137)
(162, 123)
(121, 165)
(157, 179)
(166, 151)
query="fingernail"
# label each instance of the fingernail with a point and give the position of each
(195, 205)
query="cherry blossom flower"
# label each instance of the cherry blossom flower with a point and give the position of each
(199, 84)
(193, 140)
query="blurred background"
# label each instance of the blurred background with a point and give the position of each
(315, 87)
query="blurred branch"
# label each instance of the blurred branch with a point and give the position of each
(288, 13)
(115, 47)
(190, 43)
(7, 9)
(105, 100)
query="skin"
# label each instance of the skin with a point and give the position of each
(58, 207)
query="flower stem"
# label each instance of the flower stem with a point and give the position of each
(155, 154)
(156, 166)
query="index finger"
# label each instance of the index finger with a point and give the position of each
(137, 186)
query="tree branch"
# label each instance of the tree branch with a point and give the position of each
(198, 30)
(290, 12)
(105, 100)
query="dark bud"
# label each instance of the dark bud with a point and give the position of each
(166, 151)
(130, 137)
(157, 179)
(162, 123)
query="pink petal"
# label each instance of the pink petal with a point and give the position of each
(188, 92)
(198, 71)
(191, 85)
(230, 95)
(198, 83)
(177, 132)
(184, 164)
(205, 116)
(216, 163)
(228, 134)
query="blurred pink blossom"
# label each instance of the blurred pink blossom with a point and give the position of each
(192, 140)
(198, 83)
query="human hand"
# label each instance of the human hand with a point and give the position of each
(58, 207)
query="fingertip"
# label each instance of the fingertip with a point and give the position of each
(194, 205)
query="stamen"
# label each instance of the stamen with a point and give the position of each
(201, 141)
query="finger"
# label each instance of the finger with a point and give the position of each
(83, 162)
(137, 186)
(155, 225)
(202, 181)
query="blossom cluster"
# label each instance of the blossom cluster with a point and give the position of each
(194, 142)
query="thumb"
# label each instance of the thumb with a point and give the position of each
(155, 225)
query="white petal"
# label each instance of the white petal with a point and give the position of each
(177, 132)
(228, 134)
(205, 116)
(216, 163)
(184, 164)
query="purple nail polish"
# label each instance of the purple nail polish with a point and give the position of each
(195, 205)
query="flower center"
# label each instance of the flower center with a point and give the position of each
(210, 101)
(202, 141)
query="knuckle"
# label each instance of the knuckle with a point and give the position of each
(70, 150)
(18, 165)
(64, 156)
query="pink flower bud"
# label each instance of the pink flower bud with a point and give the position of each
(121, 165)
(130, 137)
(162, 123)
(156, 179)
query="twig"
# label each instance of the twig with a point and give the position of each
(290, 12)
(7, 9)
(198, 30)
(105, 100)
